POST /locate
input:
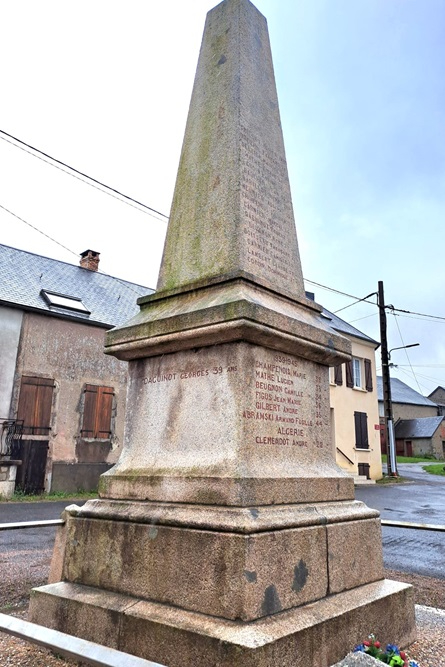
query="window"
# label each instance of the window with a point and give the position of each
(354, 373)
(64, 301)
(357, 372)
(35, 401)
(361, 430)
(97, 412)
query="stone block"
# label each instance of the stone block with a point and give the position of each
(354, 554)
(318, 634)
(229, 575)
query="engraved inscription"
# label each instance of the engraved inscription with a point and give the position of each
(282, 402)
(269, 246)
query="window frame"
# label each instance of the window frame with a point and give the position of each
(357, 377)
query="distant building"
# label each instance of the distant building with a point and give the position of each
(420, 437)
(56, 382)
(418, 424)
(438, 397)
(355, 424)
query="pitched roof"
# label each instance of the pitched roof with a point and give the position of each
(402, 393)
(108, 301)
(424, 427)
(341, 326)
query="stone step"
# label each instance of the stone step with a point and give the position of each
(360, 480)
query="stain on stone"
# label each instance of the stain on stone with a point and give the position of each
(300, 576)
(250, 576)
(222, 60)
(271, 603)
(152, 533)
(254, 512)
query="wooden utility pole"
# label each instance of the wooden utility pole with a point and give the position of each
(387, 402)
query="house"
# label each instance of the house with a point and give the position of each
(418, 425)
(355, 425)
(65, 396)
(421, 437)
(438, 397)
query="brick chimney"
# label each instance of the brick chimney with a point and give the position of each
(89, 259)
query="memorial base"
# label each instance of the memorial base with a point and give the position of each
(316, 635)
(192, 585)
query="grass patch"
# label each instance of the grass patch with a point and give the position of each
(437, 469)
(20, 497)
(411, 459)
(386, 479)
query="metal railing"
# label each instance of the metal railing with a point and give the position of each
(69, 646)
(11, 431)
(60, 522)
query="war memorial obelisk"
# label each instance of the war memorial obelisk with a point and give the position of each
(226, 535)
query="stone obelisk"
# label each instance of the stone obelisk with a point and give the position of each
(226, 534)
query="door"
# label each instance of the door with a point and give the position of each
(34, 409)
(409, 447)
(31, 474)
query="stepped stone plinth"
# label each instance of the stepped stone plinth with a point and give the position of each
(226, 535)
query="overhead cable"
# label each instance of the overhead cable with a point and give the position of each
(54, 162)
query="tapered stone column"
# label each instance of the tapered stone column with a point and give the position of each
(226, 534)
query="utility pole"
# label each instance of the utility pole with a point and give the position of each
(387, 402)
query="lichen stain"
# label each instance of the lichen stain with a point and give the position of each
(271, 603)
(250, 576)
(254, 512)
(222, 60)
(300, 576)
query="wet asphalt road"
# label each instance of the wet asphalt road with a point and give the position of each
(31, 538)
(420, 500)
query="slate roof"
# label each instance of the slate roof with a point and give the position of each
(401, 393)
(424, 427)
(111, 301)
(341, 326)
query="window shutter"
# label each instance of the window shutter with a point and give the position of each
(97, 411)
(361, 430)
(349, 374)
(35, 402)
(368, 375)
(89, 411)
(103, 414)
(338, 375)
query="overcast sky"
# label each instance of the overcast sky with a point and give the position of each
(105, 86)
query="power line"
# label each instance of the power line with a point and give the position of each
(336, 291)
(122, 282)
(389, 306)
(406, 353)
(72, 169)
(36, 229)
(354, 302)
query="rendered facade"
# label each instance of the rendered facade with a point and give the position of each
(58, 387)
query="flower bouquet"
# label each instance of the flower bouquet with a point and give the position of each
(391, 655)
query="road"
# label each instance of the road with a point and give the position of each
(420, 500)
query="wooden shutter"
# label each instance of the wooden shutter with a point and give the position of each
(35, 402)
(103, 414)
(361, 430)
(338, 375)
(368, 375)
(97, 411)
(349, 374)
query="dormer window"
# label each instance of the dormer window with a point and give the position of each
(64, 301)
